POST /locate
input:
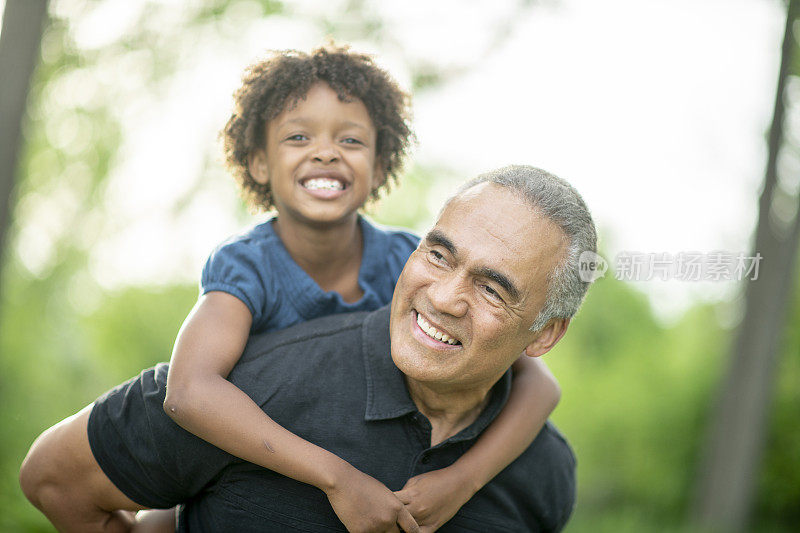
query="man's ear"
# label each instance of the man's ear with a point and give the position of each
(547, 337)
(257, 165)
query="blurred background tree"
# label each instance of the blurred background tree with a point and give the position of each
(637, 388)
(19, 55)
(727, 480)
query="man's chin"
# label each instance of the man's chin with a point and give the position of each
(419, 367)
(411, 355)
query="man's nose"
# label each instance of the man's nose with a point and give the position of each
(448, 294)
(325, 151)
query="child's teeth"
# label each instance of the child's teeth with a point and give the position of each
(323, 183)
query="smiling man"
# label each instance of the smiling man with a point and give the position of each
(394, 393)
(464, 305)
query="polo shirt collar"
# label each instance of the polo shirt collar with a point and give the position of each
(387, 394)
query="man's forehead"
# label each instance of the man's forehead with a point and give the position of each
(493, 224)
(486, 207)
(491, 204)
(476, 191)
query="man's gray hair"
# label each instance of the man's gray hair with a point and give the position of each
(560, 202)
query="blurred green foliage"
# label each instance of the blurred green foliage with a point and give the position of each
(55, 361)
(636, 398)
(779, 487)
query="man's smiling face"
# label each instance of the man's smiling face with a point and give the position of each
(467, 296)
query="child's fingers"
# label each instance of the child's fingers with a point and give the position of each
(407, 522)
(404, 496)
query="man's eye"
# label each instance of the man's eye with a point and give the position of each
(492, 293)
(436, 257)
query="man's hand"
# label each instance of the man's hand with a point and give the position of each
(364, 504)
(434, 497)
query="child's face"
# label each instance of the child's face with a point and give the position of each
(319, 159)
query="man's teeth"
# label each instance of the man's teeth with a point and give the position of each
(433, 332)
(323, 183)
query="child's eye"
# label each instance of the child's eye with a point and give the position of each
(297, 137)
(351, 140)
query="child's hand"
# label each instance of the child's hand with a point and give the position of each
(433, 498)
(155, 521)
(363, 503)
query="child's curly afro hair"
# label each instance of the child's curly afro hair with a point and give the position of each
(276, 83)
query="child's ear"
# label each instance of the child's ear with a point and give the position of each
(547, 337)
(378, 175)
(257, 165)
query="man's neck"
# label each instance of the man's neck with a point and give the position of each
(449, 410)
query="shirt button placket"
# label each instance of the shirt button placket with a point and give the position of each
(422, 463)
(423, 429)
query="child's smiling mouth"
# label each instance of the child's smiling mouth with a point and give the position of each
(325, 184)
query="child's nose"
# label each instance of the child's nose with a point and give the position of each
(325, 152)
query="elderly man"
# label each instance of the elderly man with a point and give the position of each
(394, 392)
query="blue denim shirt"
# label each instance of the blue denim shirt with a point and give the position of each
(256, 268)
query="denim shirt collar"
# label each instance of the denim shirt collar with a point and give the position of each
(309, 296)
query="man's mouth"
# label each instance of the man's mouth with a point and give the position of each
(434, 333)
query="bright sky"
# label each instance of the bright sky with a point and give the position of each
(656, 110)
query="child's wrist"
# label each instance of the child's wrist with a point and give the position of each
(333, 474)
(467, 480)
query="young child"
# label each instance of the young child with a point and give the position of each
(314, 137)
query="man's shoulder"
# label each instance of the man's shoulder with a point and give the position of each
(330, 337)
(551, 442)
(312, 331)
(544, 475)
(550, 455)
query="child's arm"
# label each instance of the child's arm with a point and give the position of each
(201, 400)
(433, 498)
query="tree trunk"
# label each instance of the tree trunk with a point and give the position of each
(729, 472)
(21, 35)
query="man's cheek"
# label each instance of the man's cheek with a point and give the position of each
(414, 274)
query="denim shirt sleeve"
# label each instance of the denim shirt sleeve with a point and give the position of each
(241, 269)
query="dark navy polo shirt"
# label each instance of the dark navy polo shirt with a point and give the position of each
(331, 381)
